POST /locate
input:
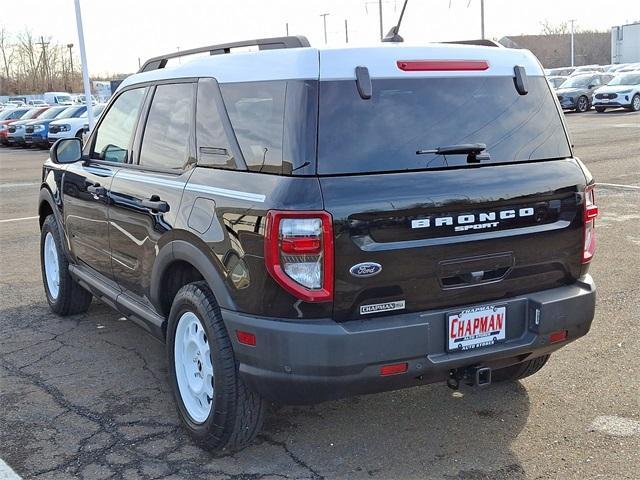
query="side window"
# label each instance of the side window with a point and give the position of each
(595, 81)
(165, 143)
(213, 146)
(256, 111)
(115, 131)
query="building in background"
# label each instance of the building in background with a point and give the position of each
(555, 50)
(625, 43)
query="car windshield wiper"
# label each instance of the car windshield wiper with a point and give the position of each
(472, 150)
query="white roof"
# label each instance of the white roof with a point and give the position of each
(339, 63)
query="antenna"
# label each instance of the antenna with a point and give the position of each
(393, 35)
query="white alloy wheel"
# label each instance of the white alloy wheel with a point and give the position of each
(51, 266)
(192, 363)
(636, 103)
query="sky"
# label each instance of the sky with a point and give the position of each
(120, 32)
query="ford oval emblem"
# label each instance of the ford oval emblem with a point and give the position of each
(366, 269)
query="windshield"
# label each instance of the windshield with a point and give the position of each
(68, 113)
(97, 110)
(407, 115)
(628, 79)
(33, 113)
(10, 113)
(578, 82)
(63, 98)
(51, 113)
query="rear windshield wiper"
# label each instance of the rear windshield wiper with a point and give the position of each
(472, 150)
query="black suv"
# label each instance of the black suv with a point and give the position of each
(301, 224)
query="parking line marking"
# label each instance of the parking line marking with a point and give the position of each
(6, 473)
(616, 426)
(17, 219)
(17, 185)
(633, 187)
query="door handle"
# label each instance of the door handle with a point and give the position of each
(155, 204)
(96, 189)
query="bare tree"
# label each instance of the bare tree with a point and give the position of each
(550, 29)
(34, 64)
(6, 51)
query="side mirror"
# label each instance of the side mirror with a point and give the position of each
(66, 150)
(590, 87)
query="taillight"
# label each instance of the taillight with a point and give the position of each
(298, 253)
(590, 212)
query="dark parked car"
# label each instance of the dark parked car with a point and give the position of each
(576, 92)
(303, 224)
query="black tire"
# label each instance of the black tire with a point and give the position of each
(519, 370)
(600, 109)
(582, 104)
(635, 103)
(237, 412)
(71, 298)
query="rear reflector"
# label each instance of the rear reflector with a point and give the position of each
(246, 338)
(394, 369)
(442, 65)
(558, 336)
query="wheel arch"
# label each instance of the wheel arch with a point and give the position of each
(46, 206)
(180, 262)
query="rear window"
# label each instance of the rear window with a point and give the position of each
(274, 123)
(407, 115)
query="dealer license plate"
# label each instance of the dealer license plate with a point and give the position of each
(476, 327)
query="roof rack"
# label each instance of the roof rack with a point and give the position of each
(483, 42)
(275, 43)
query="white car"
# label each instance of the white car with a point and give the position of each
(622, 91)
(71, 127)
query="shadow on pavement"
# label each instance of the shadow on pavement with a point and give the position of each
(87, 396)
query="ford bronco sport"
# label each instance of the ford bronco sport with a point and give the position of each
(303, 224)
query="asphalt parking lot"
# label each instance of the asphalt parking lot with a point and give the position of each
(87, 397)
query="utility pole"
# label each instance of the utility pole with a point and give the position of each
(85, 68)
(572, 31)
(70, 46)
(380, 15)
(45, 67)
(482, 19)
(346, 31)
(324, 20)
(286, 26)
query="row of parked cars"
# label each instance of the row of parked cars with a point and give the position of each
(48, 99)
(601, 87)
(41, 126)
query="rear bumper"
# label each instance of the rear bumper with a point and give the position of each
(299, 362)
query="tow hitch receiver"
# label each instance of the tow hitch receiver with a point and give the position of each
(473, 376)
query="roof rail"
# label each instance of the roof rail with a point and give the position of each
(298, 41)
(483, 42)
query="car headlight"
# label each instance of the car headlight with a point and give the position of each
(65, 127)
(3, 127)
(625, 91)
(19, 127)
(38, 128)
